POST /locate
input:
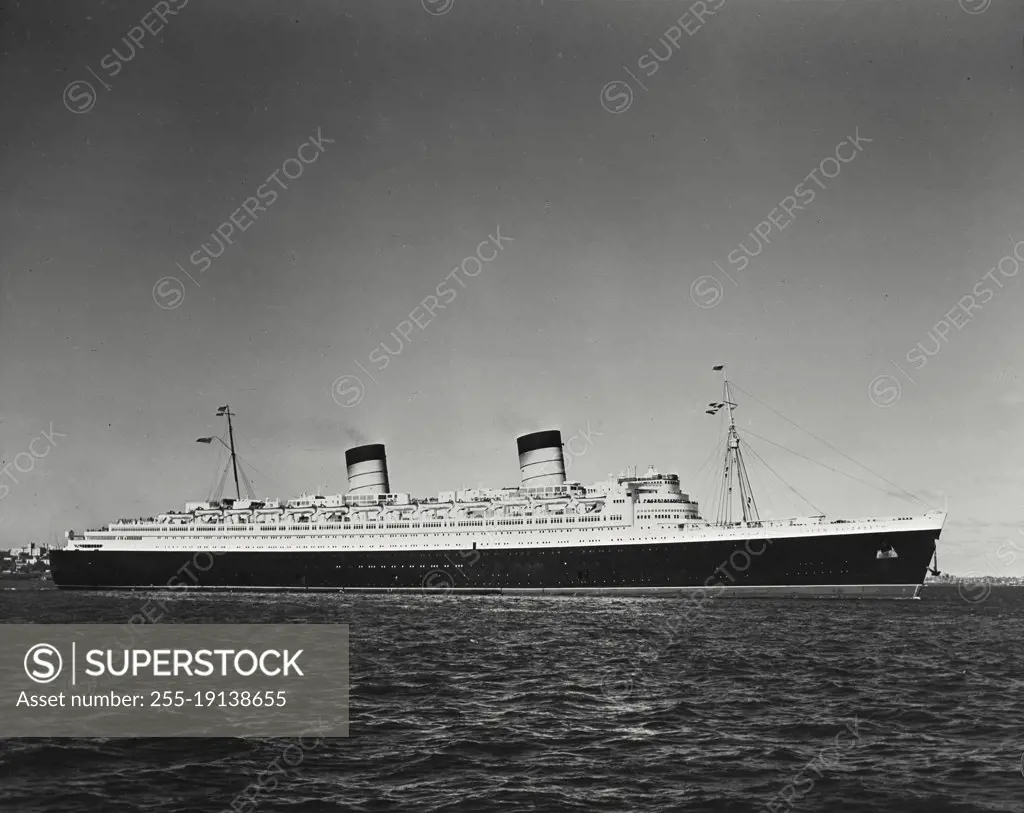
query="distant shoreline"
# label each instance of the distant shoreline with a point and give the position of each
(1005, 581)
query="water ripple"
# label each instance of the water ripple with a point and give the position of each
(562, 704)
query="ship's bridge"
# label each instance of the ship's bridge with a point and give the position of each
(654, 492)
(653, 484)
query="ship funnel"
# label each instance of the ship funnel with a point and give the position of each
(367, 470)
(540, 459)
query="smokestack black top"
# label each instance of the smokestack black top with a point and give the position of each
(360, 454)
(539, 440)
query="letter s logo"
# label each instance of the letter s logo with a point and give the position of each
(616, 102)
(39, 663)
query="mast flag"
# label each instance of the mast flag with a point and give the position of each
(718, 367)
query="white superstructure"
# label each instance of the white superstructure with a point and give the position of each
(624, 509)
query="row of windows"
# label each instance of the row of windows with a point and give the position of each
(349, 538)
(521, 551)
(239, 533)
(184, 528)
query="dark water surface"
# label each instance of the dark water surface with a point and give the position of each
(565, 704)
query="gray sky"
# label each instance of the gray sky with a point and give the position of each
(437, 129)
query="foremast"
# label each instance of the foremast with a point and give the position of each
(734, 470)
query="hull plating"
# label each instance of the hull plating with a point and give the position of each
(814, 566)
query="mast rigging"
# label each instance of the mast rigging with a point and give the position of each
(225, 412)
(735, 468)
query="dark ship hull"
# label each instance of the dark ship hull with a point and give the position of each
(891, 564)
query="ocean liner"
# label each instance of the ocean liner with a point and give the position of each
(633, 534)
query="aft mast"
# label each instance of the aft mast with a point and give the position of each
(221, 412)
(225, 412)
(734, 473)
